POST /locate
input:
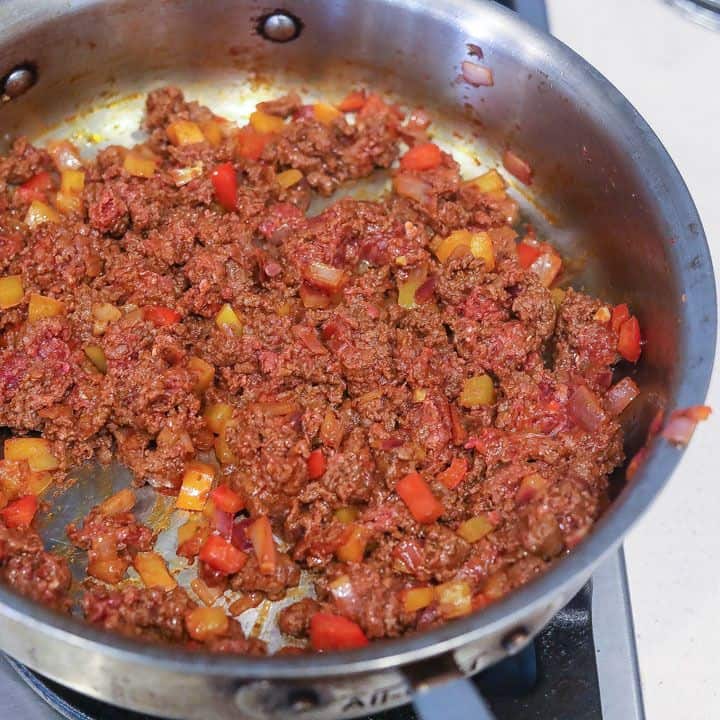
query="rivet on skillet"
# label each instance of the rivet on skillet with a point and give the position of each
(280, 26)
(18, 81)
(515, 640)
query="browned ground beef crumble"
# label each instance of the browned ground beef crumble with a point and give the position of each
(375, 385)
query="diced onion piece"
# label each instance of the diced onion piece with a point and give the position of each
(207, 594)
(602, 315)
(620, 395)
(260, 534)
(585, 409)
(105, 312)
(20, 512)
(96, 355)
(228, 318)
(265, 123)
(475, 528)
(417, 598)
(481, 247)
(37, 483)
(682, 423)
(277, 408)
(121, 502)
(138, 165)
(203, 371)
(223, 452)
(346, 515)
(419, 395)
(313, 298)
(65, 155)
(331, 430)
(184, 132)
(412, 187)
(491, 181)
(353, 545)
(196, 484)
(417, 495)
(324, 276)
(516, 166)
(335, 632)
(454, 598)
(530, 487)
(453, 475)
(222, 521)
(216, 415)
(72, 182)
(212, 130)
(456, 244)
(35, 451)
(325, 113)
(111, 570)
(205, 623)
(182, 176)
(558, 296)
(547, 266)
(40, 213)
(408, 287)
(477, 390)
(477, 75)
(12, 291)
(288, 178)
(41, 307)
(191, 535)
(245, 602)
(153, 571)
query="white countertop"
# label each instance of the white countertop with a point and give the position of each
(668, 68)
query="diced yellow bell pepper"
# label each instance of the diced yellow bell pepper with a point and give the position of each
(558, 295)
(417, 598)
(216, 415)
(491, 181)
(153, 571)
(189, 529)
(206, 593)
(325, 113)
(455, 244)
(68, 203)
(475, 528)
(477, 390)
(203, 371)
(265, 123)
(138, 166)
(223, 451)
(454, 598)
(96, 355)
(481, 247)
(72, 182)
(204, 623)
(288, 178)
(346, 515)
(37, 483)
(212, 131)
(40, 213)
(196, 485)
(407, 287)
(11, 291)
(35, 451)
(121, 502)
(227, 318)
(419, 395)
(41, 306)
(184, 132)
(353, 548)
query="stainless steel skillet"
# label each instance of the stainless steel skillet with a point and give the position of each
(609, 196)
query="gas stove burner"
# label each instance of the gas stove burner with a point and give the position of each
(704, 12)
(582, 666)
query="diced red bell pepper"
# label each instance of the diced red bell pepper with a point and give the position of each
(160, 315)
(224, 181)
(335, 632)
(353, 101)
(416, 494)
(316, 464)
(452, 476)
(527, 254)
(629, 339)
(227, 500)
(222, 555)
(35, 188)
(619, 315)
(423, 156)
(21, 512)
(250, 143)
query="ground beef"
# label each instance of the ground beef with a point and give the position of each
(353, 335)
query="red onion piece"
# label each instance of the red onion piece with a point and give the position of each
(412, 187)
(272, 269)
(585, 409)
(547, 267)
(475, 51)
(426, 290)
(620, 395)
(239, 537)
(390, 443)
(223, 522)
(516, 166)
(324, 276)
(477, 75)
(679, 429)
(344, 595)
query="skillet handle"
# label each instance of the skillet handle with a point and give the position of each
(453, 700)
